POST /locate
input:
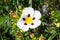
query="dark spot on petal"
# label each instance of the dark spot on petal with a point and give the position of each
(28, 15)
(25, 23)
(24, 19)
(32, 24)
(34, 18)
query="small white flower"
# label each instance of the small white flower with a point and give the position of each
(44, 8)
(29, 19)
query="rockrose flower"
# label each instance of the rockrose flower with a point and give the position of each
(29, 19)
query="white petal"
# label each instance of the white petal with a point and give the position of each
(36, 24)
(21, 25)
(27, 11)
(37, 15)
(25, 28)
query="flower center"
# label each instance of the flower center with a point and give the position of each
(28, 20)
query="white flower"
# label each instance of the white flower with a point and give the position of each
(44, 8)
(29, 19)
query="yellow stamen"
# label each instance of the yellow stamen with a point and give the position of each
(28, 20)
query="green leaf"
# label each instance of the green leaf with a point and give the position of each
(53, 35)
(57, 14)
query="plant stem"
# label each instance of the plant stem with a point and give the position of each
(30, 3)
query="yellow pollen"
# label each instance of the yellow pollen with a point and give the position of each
(28, 20)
